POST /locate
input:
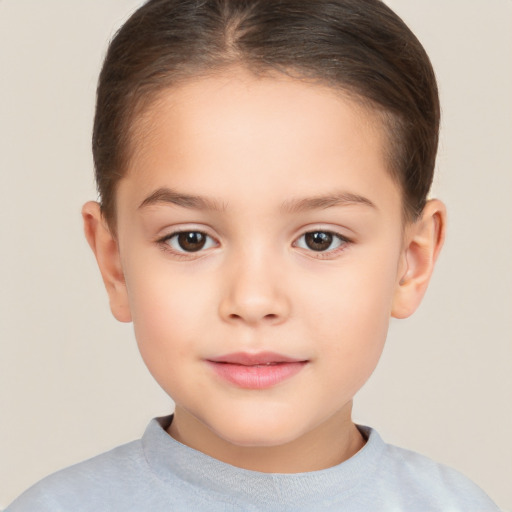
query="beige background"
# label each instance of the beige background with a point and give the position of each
(71, 382)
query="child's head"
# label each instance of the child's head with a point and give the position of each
(263, 169)
(357, 47)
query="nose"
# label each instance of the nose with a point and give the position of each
(254, 292)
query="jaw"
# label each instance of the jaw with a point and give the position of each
(323, 446)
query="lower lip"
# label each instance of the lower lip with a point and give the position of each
(256, 376)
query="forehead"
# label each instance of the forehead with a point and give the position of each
(235, 131)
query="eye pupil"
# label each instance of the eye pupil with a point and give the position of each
(318, 240)
(191, 241)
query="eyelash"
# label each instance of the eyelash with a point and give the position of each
(164, 243)
(342, 241)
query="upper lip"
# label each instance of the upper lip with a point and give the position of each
(249, 359)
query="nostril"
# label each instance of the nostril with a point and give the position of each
(271, 317)
(253, 308)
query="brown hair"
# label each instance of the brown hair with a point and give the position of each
(356, 46)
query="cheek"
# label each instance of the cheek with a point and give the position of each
(357, 295)
(351, 318)
(168, 310)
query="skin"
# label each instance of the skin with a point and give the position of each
(259, 152)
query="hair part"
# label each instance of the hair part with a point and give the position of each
(358, 47)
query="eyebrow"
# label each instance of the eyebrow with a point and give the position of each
(326, 201)
(167, 195)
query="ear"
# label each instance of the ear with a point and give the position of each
(423, 240)
(106, 249)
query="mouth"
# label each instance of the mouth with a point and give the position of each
(256, 371)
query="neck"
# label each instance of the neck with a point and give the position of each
(327, 445)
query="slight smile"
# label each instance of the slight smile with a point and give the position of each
(256, 371)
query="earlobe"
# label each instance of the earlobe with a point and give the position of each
(423, 241)
(105, 248)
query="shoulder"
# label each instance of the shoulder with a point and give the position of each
(423, 484)
(109, 474)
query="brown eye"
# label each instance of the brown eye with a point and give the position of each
(189, 241)
(321, 241)
(318, 240)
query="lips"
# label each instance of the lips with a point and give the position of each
(255, 371)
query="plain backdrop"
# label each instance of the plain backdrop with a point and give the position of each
(71, 381)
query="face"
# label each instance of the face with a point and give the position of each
(261, 245)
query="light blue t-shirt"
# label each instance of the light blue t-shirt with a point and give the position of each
(157, 473)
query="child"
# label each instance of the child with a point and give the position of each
(263, 170)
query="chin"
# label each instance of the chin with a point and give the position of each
(258, 434)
